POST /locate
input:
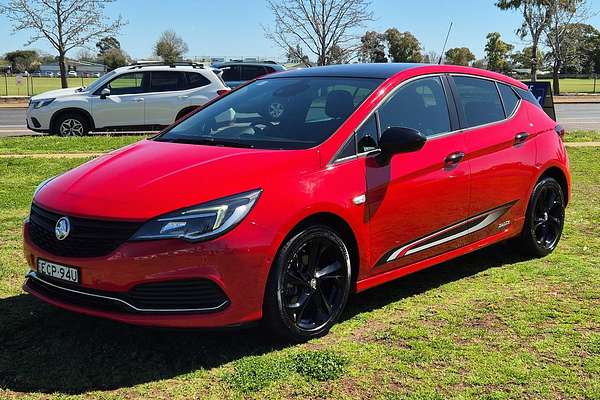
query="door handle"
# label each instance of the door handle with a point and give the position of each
(184, 97)
(454, 158)
(138, 99)
(521, 137)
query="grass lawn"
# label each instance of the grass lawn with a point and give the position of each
(489, 325)
(577, 85)
(42, 84)
(57, 144)
(578, 136)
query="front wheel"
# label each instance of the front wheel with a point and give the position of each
(71, 125)
(309, 284)
(544, 220)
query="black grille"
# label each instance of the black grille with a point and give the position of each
(87, 238)
(199, 295)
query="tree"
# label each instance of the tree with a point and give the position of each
(537, 15)
(481, 64)
(432, 57)
(587, 43)
(170, 47)
(115, 58)
(66, 24)
(23, 60)
(496, 51)
(522, 59)
(106, 43)
(318, 26)
(459, 56)
(403, 46)
(337, 55)
(372, 48)
(86, 55)
(562, 35)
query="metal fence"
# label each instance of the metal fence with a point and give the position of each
(21, 85)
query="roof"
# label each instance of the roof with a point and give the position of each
(257, 64)
(382, 70)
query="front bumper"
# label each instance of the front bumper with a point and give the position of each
(237, 265)
(39, 120)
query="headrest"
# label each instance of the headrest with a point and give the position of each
(340, 104)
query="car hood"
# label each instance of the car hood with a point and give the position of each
(151, 178)
(54, 94)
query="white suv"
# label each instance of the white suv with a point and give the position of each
(136, 97)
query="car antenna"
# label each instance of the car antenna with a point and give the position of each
(445, 43)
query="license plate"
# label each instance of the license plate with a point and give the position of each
(58, 271)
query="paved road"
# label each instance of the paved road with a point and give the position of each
(570, 116)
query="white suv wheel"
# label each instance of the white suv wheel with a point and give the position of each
(71, 127)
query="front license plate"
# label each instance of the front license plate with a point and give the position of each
(58, 271)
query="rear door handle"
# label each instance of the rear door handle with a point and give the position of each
(138, 99)
(521, 137)
(454, 158)
(182, 97)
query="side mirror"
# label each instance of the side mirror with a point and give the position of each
(105, 93)
(396, 140)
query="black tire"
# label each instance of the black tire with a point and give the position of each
(544, 220)
(71, 124)
(308, 286)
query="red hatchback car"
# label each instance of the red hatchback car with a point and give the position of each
(279, 199)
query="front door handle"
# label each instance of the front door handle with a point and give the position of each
(521, 137)
(183, 97)
(454, 158)
(138, 99)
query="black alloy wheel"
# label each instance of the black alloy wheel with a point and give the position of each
(309, 285)
(544, 219)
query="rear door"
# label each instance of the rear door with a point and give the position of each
(125, 104)
(417, 199)
(500, 152)
(165, 97)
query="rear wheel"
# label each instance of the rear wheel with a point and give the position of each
(544, 219)
(71, 125)
(309, 284)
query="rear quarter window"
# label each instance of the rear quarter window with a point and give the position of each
(509, 99)
(196, 80)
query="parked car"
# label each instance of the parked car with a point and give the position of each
(72, 74)
(50, 74)
(366, 173)
(96, 75)
(142, 96)
(237, 73)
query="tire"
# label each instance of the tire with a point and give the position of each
(544, 220)
(71, 124)
(308, 286)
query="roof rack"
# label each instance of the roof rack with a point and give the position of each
(142, 64)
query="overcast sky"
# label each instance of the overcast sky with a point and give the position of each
(234, 28)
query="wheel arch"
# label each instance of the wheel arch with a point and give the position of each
(71, 110)
(340, 226)
(561, 178)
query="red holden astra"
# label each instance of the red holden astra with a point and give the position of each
(279, 199)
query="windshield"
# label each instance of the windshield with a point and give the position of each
(99, 82)
(276, 113)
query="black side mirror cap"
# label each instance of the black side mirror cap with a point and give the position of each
(395, 140)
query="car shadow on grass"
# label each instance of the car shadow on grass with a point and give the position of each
(48, 350)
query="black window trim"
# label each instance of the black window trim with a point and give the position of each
(463, 126)
(145, 83)
(452, 108)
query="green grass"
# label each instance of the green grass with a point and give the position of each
(9, 87)
(54, 144)
(582, 136)
(577, 85)
(490, 325)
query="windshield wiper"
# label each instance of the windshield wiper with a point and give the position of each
(208, 141)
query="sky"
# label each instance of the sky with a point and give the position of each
(234, 28)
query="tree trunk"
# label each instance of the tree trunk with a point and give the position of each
(63, 70)
(555, 78)
(534, 61)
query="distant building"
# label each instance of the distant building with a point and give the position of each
(81, 67)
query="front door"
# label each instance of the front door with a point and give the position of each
(418, 202)
(125, 104)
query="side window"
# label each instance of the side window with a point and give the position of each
(252, 71)
(479, 100)
(269, 70)
(349, 149)
(231, 73)
(196, 80)
(419, 105)
(127, 84)
(509, 99)
(165, 81)
(366, 136)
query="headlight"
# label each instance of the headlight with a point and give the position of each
(40, 103)
(41, 185)
(201, 222)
